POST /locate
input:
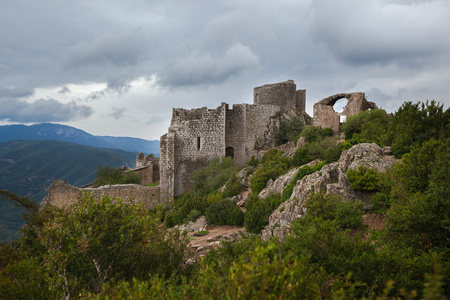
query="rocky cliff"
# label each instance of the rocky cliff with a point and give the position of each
(331, 179)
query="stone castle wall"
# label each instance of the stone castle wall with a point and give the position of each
(62, 194)
(197, 136)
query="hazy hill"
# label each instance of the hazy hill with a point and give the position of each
(65, 133)
(29, 167)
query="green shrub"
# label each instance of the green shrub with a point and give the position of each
(224, 212)
(213, 198)
(273, 165)
(312, 133)
(259, 211)
(108, 176)
(233, 188)
(182, 206)
(364, 179)
(289, 130)
(349, 214)
(213, 177)
(254, 162)
(193, 215)
(131, 177)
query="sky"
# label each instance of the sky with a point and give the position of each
(117, 68)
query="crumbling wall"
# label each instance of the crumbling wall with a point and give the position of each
(147, 167)
(196, 137)
(283, 95)
(325, 116)
(62, 194)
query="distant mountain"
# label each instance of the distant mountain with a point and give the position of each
(57, 132)
(29, 167)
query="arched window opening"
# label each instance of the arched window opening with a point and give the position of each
(339, 105)
(229, 152)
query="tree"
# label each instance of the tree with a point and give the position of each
(96, 241)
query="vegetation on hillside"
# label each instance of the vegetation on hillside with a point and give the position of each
(108, 250)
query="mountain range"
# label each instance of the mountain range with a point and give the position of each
(58, 132)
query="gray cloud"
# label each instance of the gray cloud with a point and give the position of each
(206, 68)
(118, 113)
(64, 90)
(369, 32)
(157, 119)
(42, 111)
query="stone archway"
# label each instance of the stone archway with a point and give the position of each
(229, 152)
(325, 116)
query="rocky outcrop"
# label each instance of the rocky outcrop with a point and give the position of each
(278, 185)
(331, 179)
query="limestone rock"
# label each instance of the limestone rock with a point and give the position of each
(331, 179)
(199, 225)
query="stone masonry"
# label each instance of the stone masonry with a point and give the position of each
(62, 194)
(197, 136)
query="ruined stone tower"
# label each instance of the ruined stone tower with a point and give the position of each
(197, 136)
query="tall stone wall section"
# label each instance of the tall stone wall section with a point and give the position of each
(195, 137)
(62, 194)
(235, 133)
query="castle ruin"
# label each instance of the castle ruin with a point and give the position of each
(197, 136)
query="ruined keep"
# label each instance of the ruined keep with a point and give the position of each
(197, 136)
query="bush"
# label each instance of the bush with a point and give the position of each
(108, 176)
(273, 165)
(193, 215)
(259, 211)
(102, 240)
(131, 177)
(213, 177)
(224, 212)
(364, 179)
(289, 130)
(233, 188)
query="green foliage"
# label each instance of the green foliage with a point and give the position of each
(110, 176)
(273, 165)
(183, 205)
(289, 130)
(364, 179)
(254, 162)
(369, 125)
(131, 177)
(413, 124)
(346, 214)
(25, 279)
(213, 177)
(313, 133)
(102, 240)
(193, 215)
(224, 212)
(321, 147)
(233, 188)
(259, 211)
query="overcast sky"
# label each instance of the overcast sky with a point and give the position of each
(117, 68)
